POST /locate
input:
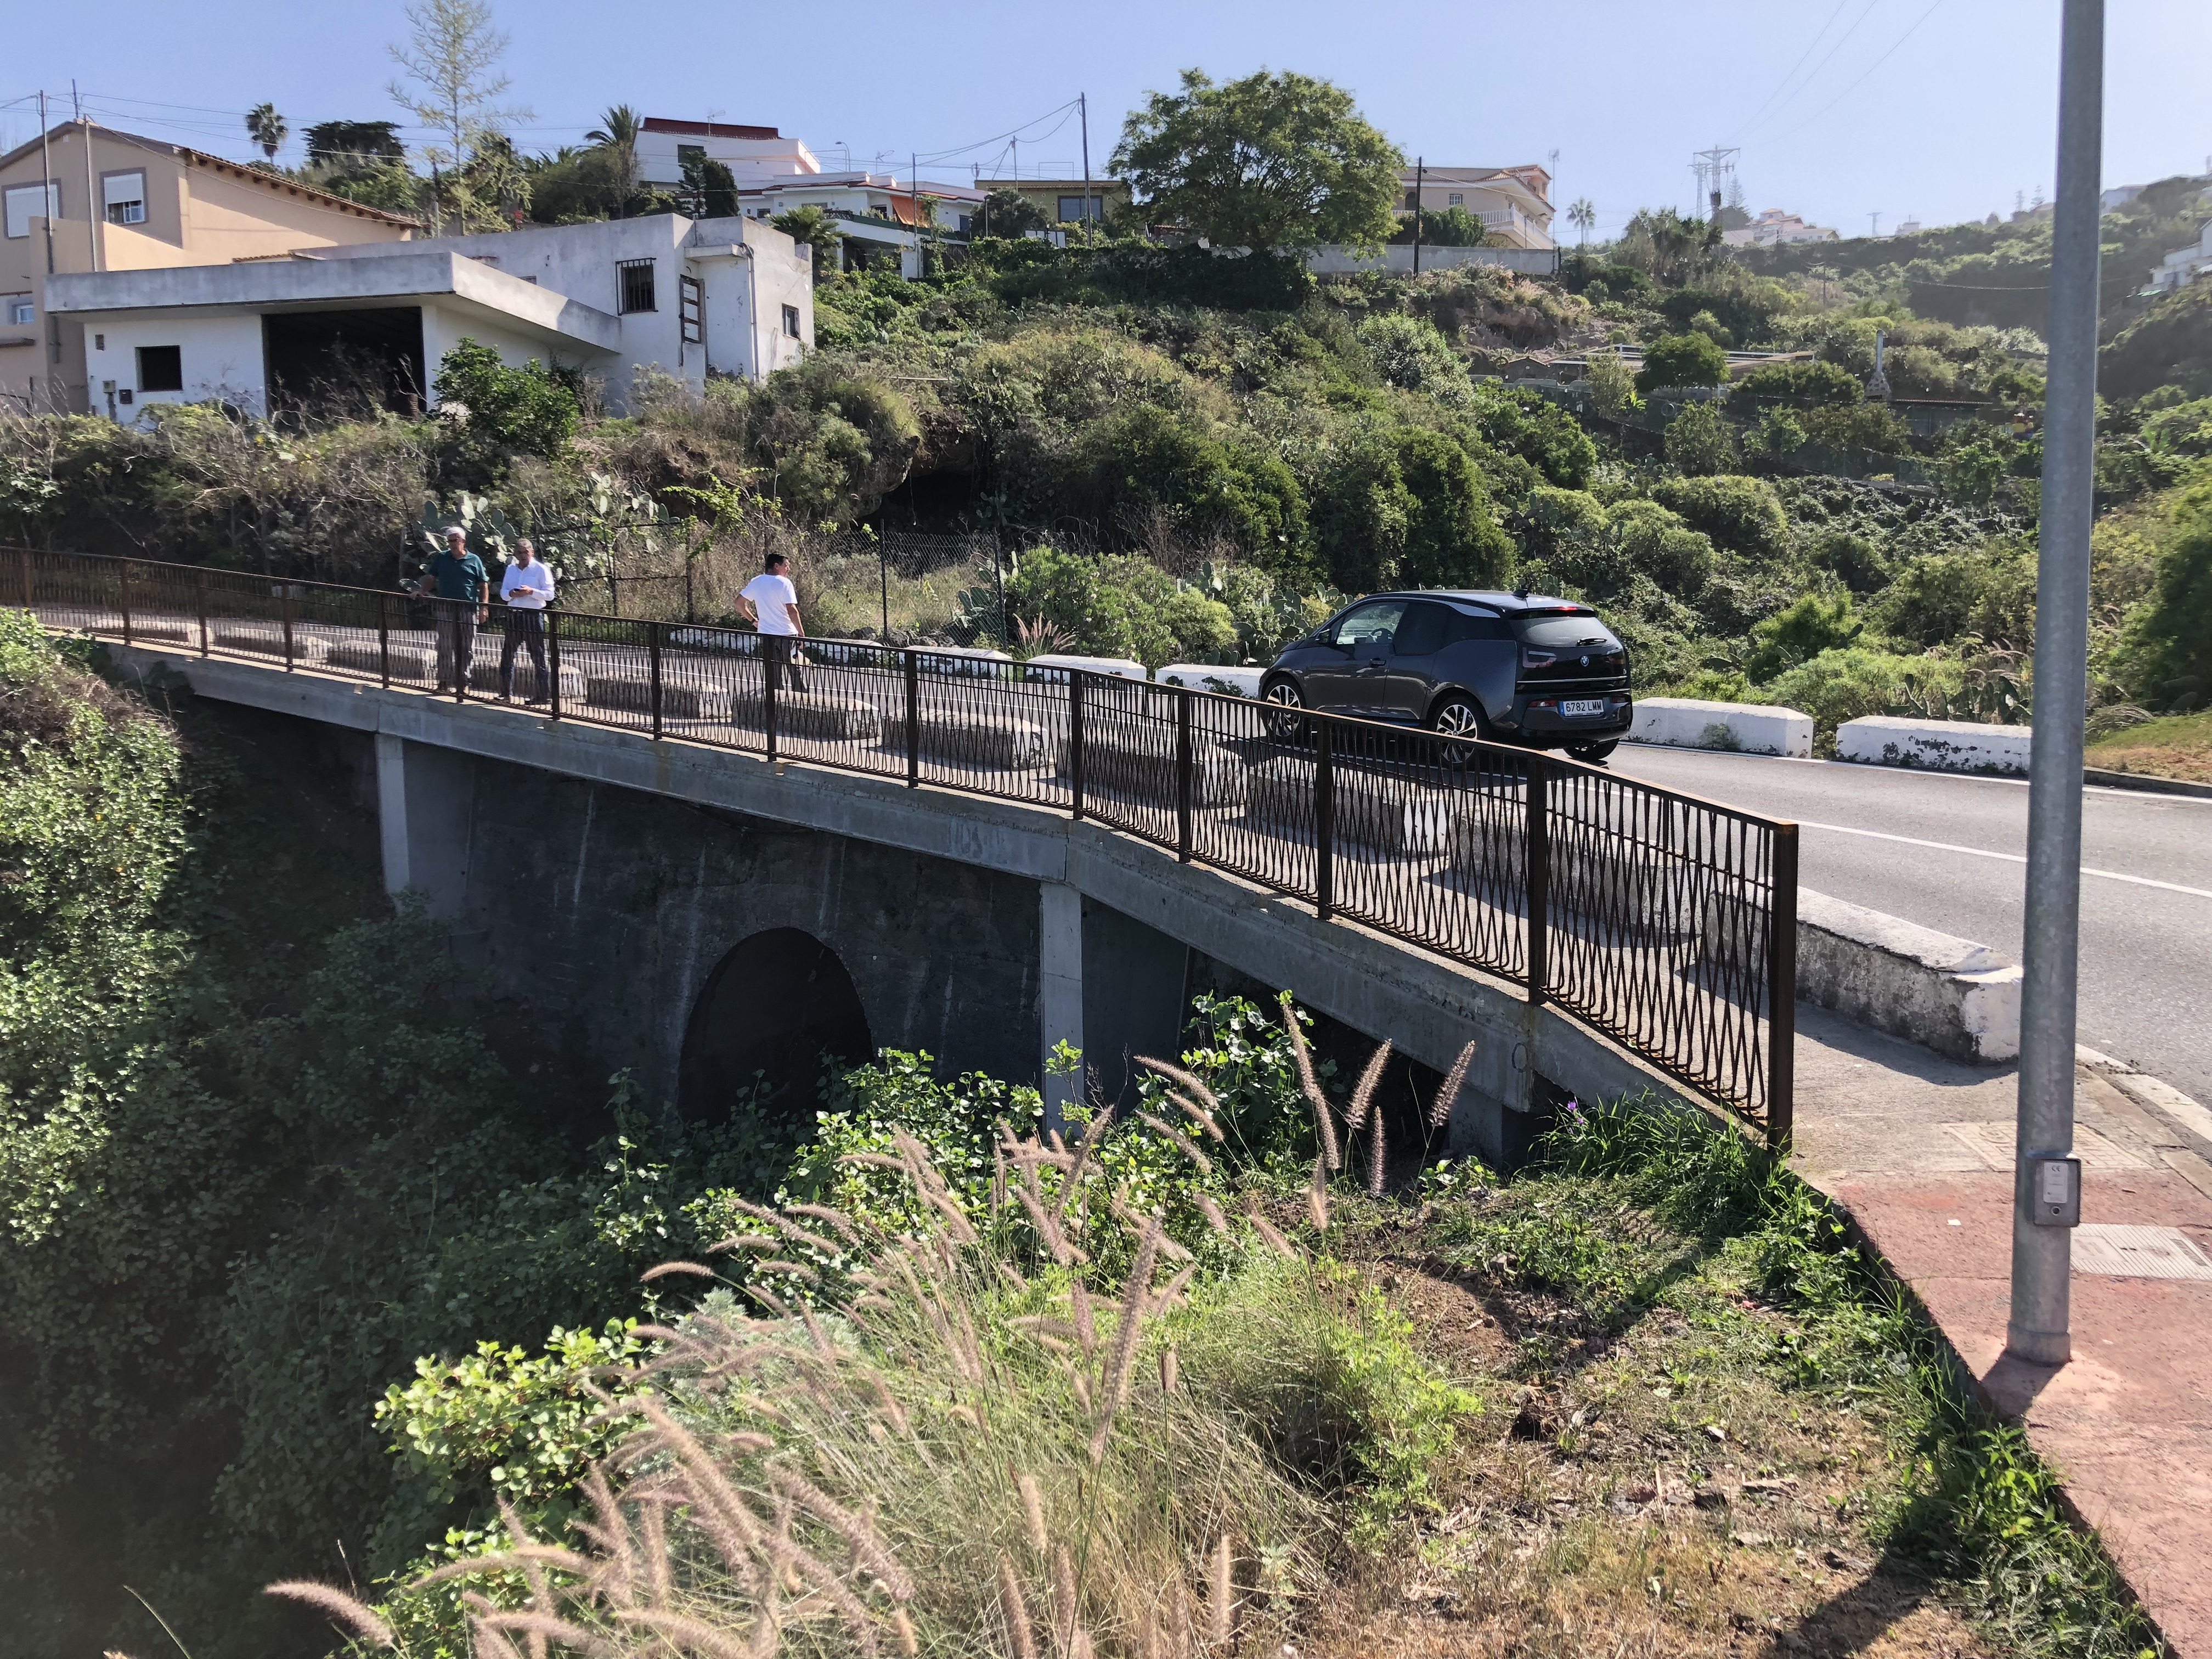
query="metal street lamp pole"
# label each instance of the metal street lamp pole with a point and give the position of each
(2046, 1183)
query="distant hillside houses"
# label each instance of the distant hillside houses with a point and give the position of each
(1775, 227)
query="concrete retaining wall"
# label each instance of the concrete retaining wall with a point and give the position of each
(1949, 994)
(1210, 677)
(1939, 745)
(1751, 728)
(1125, 668)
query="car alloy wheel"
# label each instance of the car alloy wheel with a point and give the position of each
(1460, 718)
(1282, 696)
(1592, 753)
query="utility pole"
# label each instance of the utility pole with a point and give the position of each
(913, 185)
(1083, 105)
(2046, 1177)
(91, 214)
(1420, 178)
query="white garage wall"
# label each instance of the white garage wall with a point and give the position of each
(220, 354)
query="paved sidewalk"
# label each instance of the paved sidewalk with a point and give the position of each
(1919, 1149)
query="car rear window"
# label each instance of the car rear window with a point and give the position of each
(1560, 632)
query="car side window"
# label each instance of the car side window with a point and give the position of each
(1472, 625)
(1424, 631)
(1370, 624)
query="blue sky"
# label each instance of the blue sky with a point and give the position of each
(1840, 109)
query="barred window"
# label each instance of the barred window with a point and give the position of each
(690, 309)
(636, 276)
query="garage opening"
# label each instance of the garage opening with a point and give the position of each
(777, 1010)
(341, 362)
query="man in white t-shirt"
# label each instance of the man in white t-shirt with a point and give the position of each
(526, 589)
(773, 604)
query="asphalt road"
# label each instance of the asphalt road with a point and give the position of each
(1948, 850)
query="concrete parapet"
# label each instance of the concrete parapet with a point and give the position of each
(813, 715)
(1210, 677)
(1949, 994)
(268, 641)
(1749, 728)
(1939, 745)
(949, 738)
(1139, 759)
(1121, 668)
(414, 663)
(483, 675)
(1370, 810)
(680, 700)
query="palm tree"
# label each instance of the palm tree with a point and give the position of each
(267, 128)
(617, 131)
(1582, 216)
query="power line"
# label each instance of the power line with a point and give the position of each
(1841, 41)
(1776, 88)
(1869, 70)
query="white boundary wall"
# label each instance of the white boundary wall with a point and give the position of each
(1749, 727)
(1939, 745)
(1949, 994)
(1210, 677)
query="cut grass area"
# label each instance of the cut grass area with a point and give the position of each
(2173, 746)
(1715, 1429)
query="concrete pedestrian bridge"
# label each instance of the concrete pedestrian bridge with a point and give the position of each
(674, 855)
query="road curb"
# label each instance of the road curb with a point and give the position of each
(2145, 782)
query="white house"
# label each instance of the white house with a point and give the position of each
(2185, 265)
(1514, 204)
(690, 298)
(1774, 227)
(753, 155)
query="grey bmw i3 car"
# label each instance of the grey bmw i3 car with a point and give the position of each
(1507, 667)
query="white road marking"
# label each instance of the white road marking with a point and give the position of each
(2009, 858)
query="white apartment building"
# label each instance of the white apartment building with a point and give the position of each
(690, 298)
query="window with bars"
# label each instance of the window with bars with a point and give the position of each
(691, 309)
(635, 277)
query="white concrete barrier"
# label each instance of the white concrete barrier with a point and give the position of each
(1750, 728)
(1211, 676)
(1125, 668)
(1949, 994)
(1938, 745)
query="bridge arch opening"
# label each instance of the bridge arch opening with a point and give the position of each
(774, 1007)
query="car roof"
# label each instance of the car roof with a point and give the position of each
(1511, 604)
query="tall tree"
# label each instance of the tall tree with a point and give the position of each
(267, 128)
(616, 133)
(1582, 216)
(451, 53)
(1269, 162)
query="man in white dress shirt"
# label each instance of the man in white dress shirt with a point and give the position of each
(526, 589)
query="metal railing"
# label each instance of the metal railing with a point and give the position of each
(1667, 923)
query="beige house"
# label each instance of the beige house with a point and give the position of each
(1514, 204)
(1062, 198)
(85, 197)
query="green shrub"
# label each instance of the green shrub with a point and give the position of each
(1409, 352)
(1451, 539)
(1700, 442)
(1852, 560)
(1988, 590)
(1681, 360)
(1123, 606)
(1870, 427)
(1146, 459)
(511, 411)
(1808, 382)
(1655, 542)
(1817, 622)
(1552, 519)
(1530, 425)
(2168, 639)
(1853, 682)
(1741, 514)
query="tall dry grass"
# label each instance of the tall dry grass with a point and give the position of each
(990, 1447)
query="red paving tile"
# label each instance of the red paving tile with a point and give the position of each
(2127, 1426)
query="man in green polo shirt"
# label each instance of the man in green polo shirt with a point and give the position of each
(457, 577)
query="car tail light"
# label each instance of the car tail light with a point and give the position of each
(1532, 658)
